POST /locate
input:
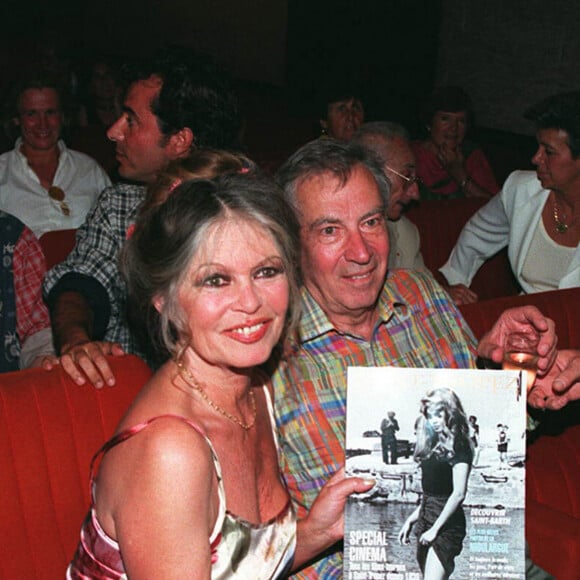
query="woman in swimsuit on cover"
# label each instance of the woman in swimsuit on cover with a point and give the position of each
(445, 455)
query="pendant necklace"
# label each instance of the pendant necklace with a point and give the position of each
(57, 194)
(190, 380)
(560, 225)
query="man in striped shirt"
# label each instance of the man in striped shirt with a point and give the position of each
(354, 314)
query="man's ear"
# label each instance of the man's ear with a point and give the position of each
(158, 302)
(181, 143)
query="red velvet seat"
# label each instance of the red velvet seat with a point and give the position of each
(553, 502)
(49, 430)
(439, 224)
(562, 306)
(57, 245)
(553, 462)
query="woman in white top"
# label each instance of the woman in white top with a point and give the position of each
(535, 214)
(42, 182)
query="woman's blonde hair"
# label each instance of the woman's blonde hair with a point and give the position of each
(454, 434)
(201, 164)
(167, 237)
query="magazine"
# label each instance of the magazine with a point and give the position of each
(446, 448)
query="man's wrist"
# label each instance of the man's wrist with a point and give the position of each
(71, 338)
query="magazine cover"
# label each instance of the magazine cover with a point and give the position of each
(446, 448)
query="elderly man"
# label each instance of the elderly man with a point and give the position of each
(391, 143)
(353, 314)
(173, 105)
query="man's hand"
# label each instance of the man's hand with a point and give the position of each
(80, 356)
(521, 319)
(87, 360)
(45, 361)
(461, 294)
(560, 385)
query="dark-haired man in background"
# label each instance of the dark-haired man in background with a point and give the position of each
(176, 103)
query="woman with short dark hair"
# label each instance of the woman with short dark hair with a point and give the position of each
(448, 165)
(536, 214)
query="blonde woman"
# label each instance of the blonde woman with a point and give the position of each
(445, 455)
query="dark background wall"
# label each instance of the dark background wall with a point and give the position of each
(388, 47)
(509, 54)
(506, 54)
(247, 35)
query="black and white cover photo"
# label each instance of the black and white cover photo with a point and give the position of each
(446, 448)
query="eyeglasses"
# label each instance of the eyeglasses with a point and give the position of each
(57, 194)
(409, 181)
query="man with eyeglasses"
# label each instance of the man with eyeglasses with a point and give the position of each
(390, 141)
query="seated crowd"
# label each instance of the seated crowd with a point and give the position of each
(536, 213)
(241, 290)
(42, 182)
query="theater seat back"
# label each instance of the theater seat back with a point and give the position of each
(553, 460)
(562, 306)
(439, 223)
(49, 430)
(57, 245)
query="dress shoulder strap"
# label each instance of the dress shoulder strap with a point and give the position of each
(135, 429)
(271, 416)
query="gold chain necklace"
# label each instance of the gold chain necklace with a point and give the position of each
(190, 380)
(561, 226)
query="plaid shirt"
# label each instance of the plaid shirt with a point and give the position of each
(418, 326)
(29, 268)
(98, 243)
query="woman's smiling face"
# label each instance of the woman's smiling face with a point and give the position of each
(235, 296)
(448, 129)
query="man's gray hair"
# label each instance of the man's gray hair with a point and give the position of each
(386, 129)
(378, 137)
(327, 156)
